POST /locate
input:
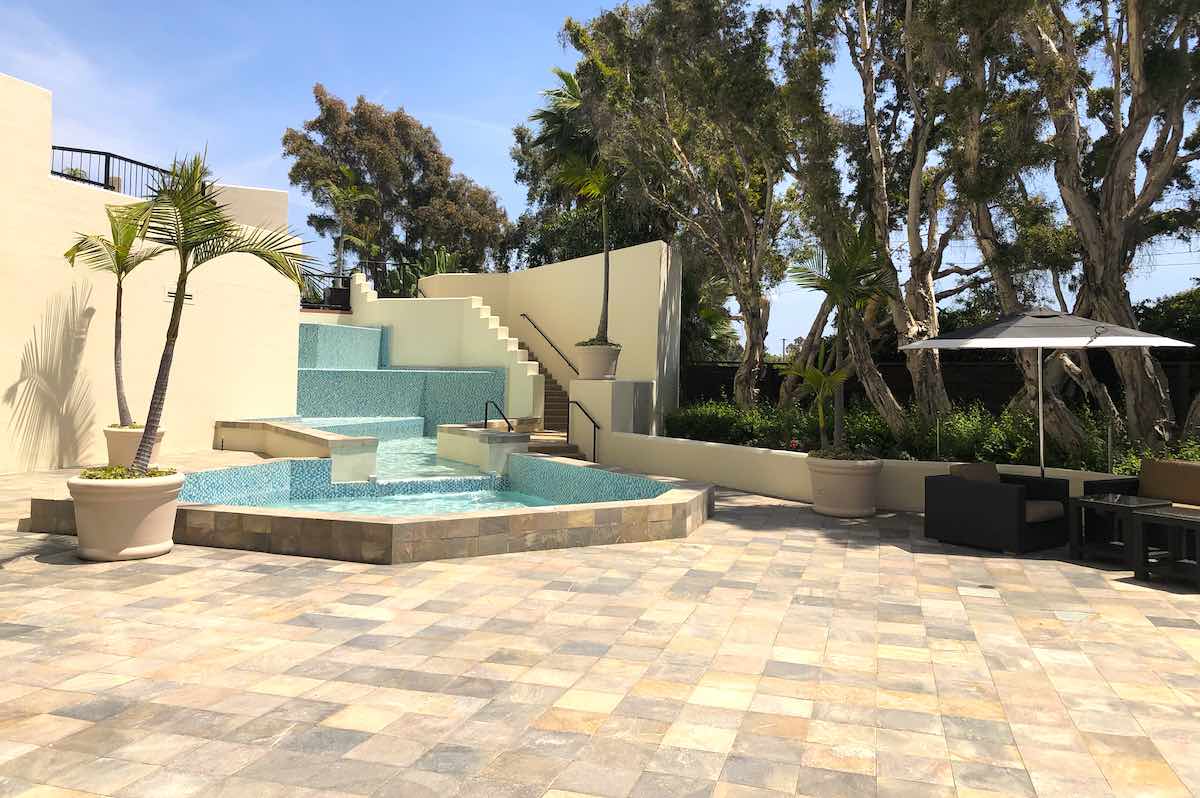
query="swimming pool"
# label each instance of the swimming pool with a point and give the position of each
(306, 484)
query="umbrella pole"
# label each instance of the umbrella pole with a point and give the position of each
(1041, 417)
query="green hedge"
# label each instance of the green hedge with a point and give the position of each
(967, 433)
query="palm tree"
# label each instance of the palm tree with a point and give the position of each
(851, 278)
(118, 256)
(344, 195)
(573, 150)
(184, 214)
(823, 384)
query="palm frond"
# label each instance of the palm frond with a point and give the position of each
(278, 248)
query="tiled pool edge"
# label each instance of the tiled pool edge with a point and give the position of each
(381, 541)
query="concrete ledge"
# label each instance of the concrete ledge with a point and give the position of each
(486, 448)
(353, 456)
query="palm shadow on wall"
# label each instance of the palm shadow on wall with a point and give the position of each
(53, 411)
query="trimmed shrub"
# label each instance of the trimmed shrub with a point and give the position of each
(968, 433)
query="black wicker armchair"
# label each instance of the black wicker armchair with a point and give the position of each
(1001, 512)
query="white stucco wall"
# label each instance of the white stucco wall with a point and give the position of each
(564, 300)
(771, 472)
(236, 355)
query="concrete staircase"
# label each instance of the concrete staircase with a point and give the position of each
(555, 406)
(554, 443)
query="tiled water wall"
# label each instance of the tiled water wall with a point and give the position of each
(343, 372)
(438, 396)
(341, 346)
(383, 428)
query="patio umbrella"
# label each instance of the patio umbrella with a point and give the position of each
(1043, 328)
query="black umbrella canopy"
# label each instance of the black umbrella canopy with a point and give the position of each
(1043, 328)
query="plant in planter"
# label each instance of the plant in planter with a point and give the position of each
(118, 256)
(569, 140)
(129, 512)
(844, 482)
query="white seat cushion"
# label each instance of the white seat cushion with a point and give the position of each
(1039, 510)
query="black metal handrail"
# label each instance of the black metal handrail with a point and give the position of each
(105, 169)
(547, 337)
(595, 426)
(498, 410)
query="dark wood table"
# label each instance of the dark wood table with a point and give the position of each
(1181, 555)
(1111, 545)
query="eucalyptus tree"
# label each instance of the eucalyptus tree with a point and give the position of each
(184, 214)
(688, 107)
(119, 256)
(1123, 141)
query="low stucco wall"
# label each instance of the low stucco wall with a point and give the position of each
(785, 475)
(236, 354)
(564, 299)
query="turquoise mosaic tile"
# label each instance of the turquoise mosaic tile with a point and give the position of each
(275, 484)
(341, 346)
(565, 484)
(440, 396)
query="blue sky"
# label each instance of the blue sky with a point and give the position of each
(233, 76)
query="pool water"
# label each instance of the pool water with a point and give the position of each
(404, 458)
(399, 505)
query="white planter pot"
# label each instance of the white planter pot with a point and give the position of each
(123, 443)
(597, 362)
(125, 519)
(844, 488)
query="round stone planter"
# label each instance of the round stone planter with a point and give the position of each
(123, 443)
(125, 519)
(597, 362)
(844, 488)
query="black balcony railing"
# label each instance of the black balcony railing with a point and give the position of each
(103, 169)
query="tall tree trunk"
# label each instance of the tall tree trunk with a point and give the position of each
(839, 392)
(602, 327)
(141, 460)
(755, 313)
(808, 351)
(1147, 394)
(123, 415)
(1191, 427)
(872, 381)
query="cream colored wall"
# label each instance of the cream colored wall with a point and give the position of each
(771, 472)
(237, 351)
(456, 332)
(257, 207)
(564, 299)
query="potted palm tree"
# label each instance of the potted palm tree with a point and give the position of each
(572, 148)
(844, 481)
(123, 512)
(118, 256)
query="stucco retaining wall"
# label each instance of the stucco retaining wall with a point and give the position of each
(782, 474)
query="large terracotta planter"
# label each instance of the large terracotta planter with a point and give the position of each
(125, 519)
(123, 443)
(598, 362)
(844, 488)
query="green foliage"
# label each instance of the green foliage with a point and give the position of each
(422, 203)
(969, 434)
(821, 384)
(1175, 316)
(124, 472)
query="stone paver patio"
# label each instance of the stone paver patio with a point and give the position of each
(772, 653)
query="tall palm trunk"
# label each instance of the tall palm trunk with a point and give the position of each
(602, 328)
(123, 415)
(141, 460)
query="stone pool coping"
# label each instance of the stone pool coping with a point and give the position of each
(383, 540)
